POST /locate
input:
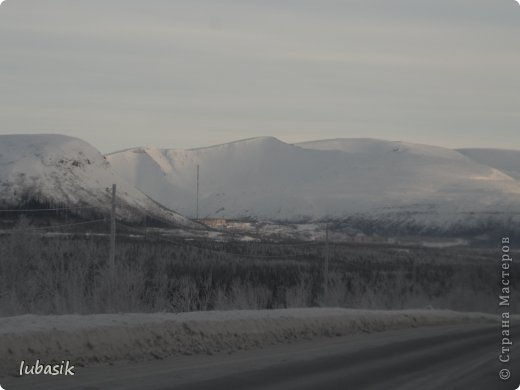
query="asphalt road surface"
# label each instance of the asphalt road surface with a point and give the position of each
(433, 358)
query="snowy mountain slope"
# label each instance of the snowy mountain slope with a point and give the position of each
(341, 179)
(60, 170)
(508, 161)
(369, 146)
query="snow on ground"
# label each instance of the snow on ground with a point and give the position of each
(104, 338)
(508, 161)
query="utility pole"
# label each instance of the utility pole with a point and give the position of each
(326, 265)
(197, 213)
(111, 260)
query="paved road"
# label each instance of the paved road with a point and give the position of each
(462, 360)
(456, 357)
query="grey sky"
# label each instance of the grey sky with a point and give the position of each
(171, 73)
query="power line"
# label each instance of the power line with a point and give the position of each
(198, 175)
(326, 263)
(57, 226)
(217, 251)
(145, 214)
(112, 254)
(48, 209)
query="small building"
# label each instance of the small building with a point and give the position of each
(213, 222)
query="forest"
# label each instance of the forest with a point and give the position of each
(61, 273)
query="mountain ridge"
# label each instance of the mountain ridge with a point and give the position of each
(375, 184)
(58, 169)
(345, 179)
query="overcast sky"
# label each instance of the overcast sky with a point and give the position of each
(187, 73)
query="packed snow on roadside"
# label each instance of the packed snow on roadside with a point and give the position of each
(96, 339)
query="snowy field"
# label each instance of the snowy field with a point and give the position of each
(97, 339)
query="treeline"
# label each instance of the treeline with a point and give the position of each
(58, 274)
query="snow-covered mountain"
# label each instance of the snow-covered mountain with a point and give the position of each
(508, 161)
(60, 170)
(364, 181)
